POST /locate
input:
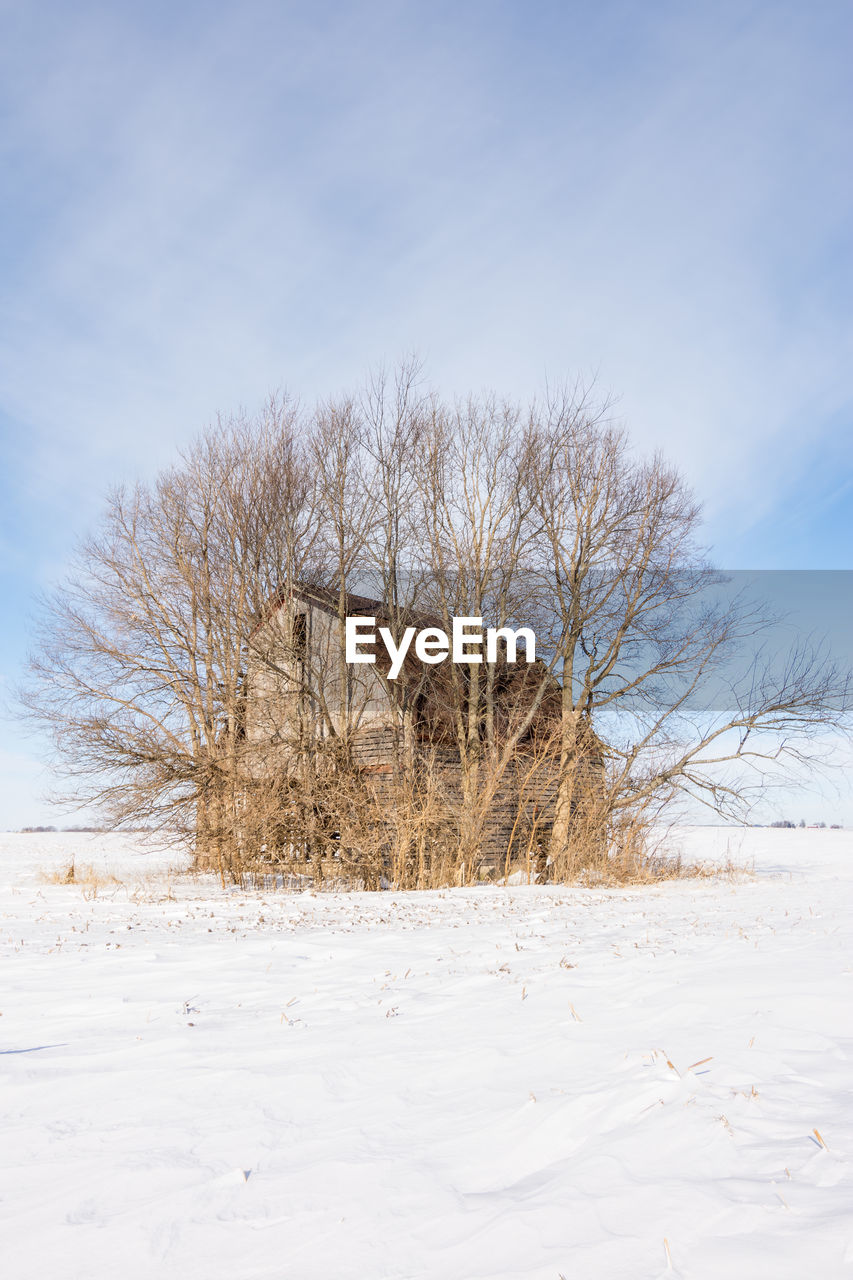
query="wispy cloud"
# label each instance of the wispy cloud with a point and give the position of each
(205, 202)
(262, 197)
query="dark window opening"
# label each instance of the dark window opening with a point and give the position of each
(300, 637)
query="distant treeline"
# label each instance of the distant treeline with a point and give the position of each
(76, 830)
(821, 826)
(35, 830)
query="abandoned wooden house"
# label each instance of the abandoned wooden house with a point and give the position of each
(310, 714)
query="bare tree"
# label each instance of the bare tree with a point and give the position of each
(140, 662)
(165, 664)
(650, 662)
(475, 509)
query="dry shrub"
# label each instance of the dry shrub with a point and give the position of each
(628, 848)
(340, 825)
(62, 875)
(639, 851)
(90, 880)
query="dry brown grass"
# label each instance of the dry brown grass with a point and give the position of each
(345, 827)
(657, 867)
(628, 850)
(88, 878)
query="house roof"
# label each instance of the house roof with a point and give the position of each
(357, 606)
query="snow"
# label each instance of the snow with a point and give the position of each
(490, 1082)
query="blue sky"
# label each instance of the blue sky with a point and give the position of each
(202, 203)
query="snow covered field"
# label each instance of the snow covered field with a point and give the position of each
(527, 1082)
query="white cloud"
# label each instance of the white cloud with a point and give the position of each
(246, 197)
(268, 199)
